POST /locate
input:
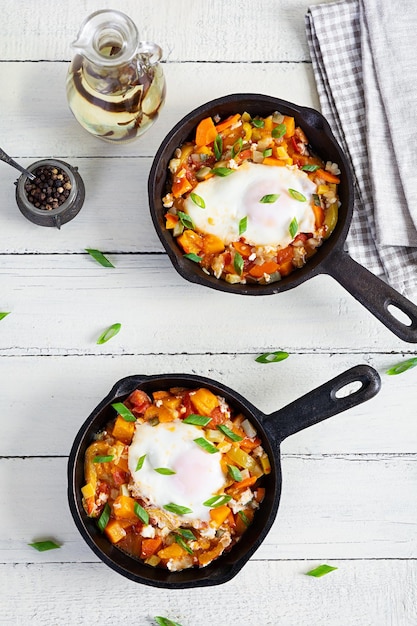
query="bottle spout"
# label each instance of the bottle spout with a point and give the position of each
(150, 52)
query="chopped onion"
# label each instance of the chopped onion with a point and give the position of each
(249, 429)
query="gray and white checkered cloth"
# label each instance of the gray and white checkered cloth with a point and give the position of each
(366, 75)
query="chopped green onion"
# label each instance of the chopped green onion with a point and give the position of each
(177, 508)
(193, 257)
(272, 357)
(109, 333)
(103, 520)
(186, 533)
(140, 463)
(185, 219)
(206, 445)
(244, 518)
(237, 147)
(198, 200)
(164, 470)
(258, 123)
(218, 147)
(124, 412)
(99, 257)
(243, 225)
(229, 433)
(270, 198)
(402, 367)
(141, 513)
(297, 195)
(197, 420)
(238, 263)
(182, 543)
(164, 621)
(42, 546)
(235, 473)
(310, 167)
(293, 227)
(279, 131)
(316, 199)
(222, 171)
(267, 152)
(3, 315)
(321, 570)
(103, 459)
(216, 501)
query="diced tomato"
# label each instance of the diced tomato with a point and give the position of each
(217, 417)
(140, 401)
(295, 145)
(186, 402)
(285, 254)
(150, 546)
(119, 476)
(301, 237)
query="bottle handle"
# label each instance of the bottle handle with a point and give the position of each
(150, 52)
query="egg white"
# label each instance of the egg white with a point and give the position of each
(198, 474)
(229, 199)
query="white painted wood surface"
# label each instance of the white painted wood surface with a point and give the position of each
(350, 483)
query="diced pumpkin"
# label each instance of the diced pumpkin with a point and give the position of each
(123, 430)
(150, 547)
(165, 415)
(212, 244)
(160, 395)
(285, 254)
(319, 215)
(204, 401)
(171, 220)
(190, 241)
(122, 463)
(206, 132)
(257, 271)
(244, 249)
(174, 551)
(290, 125)
(98, 448)
(274, 161)
(88, 491)
(219, 515)
(123, 507)
(180, 186)
(114, 531)
(286, 268)
(206, 557)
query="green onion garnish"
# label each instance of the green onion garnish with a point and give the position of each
(316, 199)
(238, 263)
(297, 195)
(197, 420)
(164, 470)
(321, 570)
(206, 445)
(244, 518)
(109, 333)
(103, 520)
(198, 200)
(216, 501)
(310, 168)
(124, 412)
(258, 123)
(402, 367)
(272, 357)
(177, 508)
(235, 473)
(3, 315)
(103, 459)
(237, 147)
(164, 621)
(279, 131)
(141, 513)
(186, 220)
(42, 546)
(243, 225)
(140, 463)
(270, 198)
(267, 152)
(99, 257)
(218, 147)
(229, 433)
(222, 171)
(186, 533)
(293, 227)
(182, 543)
(193, 257)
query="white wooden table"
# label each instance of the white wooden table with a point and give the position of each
(350, 483)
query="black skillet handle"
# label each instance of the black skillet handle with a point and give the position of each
(374, 294)
(323, 402)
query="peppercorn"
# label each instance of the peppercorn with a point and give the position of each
(50, 188)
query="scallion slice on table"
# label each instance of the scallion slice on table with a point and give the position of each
(99, 257)
(399, 368)
(124, 412)
(109, 333)
(43, 546)
(206, 445)
(164, 621)
(229, 433)
(321, 570)
(197, 420)
(272, 357)
(141, 513)
(103, 520)
(4, 314)
(216, 501)
(177, 508)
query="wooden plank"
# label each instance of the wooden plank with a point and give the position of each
(41, 291)
(204, 31)
(332, 507)
(48, 398)
(359, 593)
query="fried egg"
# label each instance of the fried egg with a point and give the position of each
(229, 199)
(171, 446)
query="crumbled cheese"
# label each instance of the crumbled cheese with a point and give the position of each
(209, 533)
(232, 164)
(148, 531)
(252, 256)
(238, 505)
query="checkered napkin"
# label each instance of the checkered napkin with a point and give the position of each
(365, 67)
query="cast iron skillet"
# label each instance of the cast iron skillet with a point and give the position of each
(369, 290)
(310, 409)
